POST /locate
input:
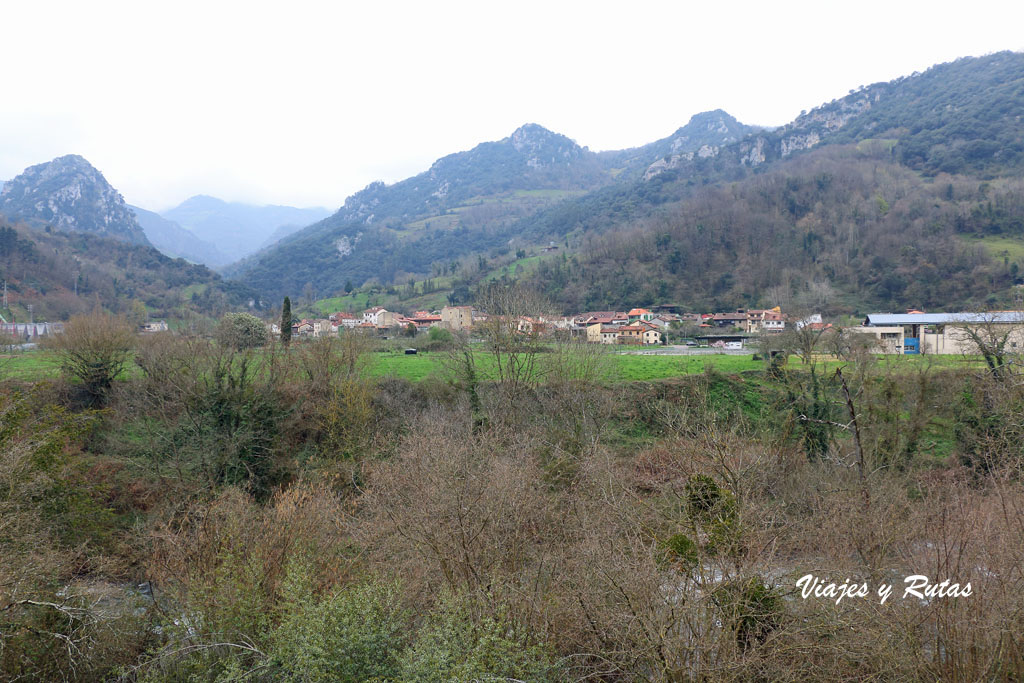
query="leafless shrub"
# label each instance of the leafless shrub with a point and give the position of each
(94, 349)
(223, 562)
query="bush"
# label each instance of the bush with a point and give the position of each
(94, 349)
(452, 646)
(714, 510)
(680, 550)
(354, 635)
(751, 608)
(241, 331)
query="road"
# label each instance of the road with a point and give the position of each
(688, 351)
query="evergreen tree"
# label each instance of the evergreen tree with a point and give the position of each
(286, 321)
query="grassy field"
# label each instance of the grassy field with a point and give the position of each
(1001, 247)
(29, 365)
(621, 367)
(624, 367)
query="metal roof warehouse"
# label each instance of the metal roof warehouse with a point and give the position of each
(885, 319)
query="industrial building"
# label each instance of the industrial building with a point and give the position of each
(942, 333)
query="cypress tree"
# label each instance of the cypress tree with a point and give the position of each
(286, 321)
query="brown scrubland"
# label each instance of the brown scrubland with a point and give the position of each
(274, 513)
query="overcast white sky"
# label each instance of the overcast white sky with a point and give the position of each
(304, 103)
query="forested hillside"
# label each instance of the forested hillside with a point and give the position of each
(708, 246)
(467, 203)
(836, 229)
(64, 273)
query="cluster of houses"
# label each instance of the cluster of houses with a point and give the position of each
(638, 326)
(914, 332)
(376, 319)
(642, 326)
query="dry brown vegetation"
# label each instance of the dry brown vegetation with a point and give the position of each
(283, 508)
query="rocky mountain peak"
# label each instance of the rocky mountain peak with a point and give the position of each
(529, 133)
(69, 194)
(542, 147)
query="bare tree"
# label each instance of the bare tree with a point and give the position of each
(94, 349)
(512, 333)
(994, 335)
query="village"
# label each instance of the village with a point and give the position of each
(638, 326)
(910, 333)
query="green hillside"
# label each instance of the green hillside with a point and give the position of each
(467, 204)
(61, 274)
(876, 199)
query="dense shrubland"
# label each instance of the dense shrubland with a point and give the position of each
(273, 514)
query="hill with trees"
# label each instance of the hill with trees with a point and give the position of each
(63, 273)
(837, 229)
(902, 194)
(465, 204)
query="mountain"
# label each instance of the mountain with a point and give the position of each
(959, 117)
(465, 203)
(531, 158)
(176, 241)
(704, 135)
(63, 273)
(901, 194)
(952, 136)
(70, 195)
(237, 229)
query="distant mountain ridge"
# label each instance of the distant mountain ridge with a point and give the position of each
(238, 229)
(69, 194)
(176, 241)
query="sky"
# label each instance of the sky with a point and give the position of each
(304, 103)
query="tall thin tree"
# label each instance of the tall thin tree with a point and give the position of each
(286, 322)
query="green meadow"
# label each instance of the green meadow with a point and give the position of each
(617, 367)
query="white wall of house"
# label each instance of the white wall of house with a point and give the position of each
(652, 337)
(887, 339)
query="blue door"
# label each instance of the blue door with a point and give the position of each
(911, 345)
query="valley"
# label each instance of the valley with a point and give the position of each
(535, 413)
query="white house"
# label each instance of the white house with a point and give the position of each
(652, 337)
(374, 315)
